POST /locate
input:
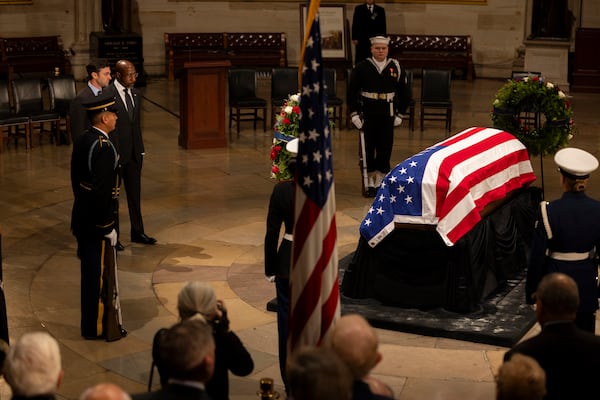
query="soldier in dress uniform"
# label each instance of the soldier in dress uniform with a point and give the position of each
(94, 179)
(378, 94)
(278, 254)
(567, 235)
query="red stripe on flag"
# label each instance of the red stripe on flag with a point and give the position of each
(448, 164)
(469, 181)
(308, 238)
(474, 216)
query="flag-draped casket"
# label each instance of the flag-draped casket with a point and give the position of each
(456, 215)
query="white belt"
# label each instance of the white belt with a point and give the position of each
(378, 96)
(288, 237)
(556, 255)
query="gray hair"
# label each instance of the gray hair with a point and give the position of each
(33, 365)
(197, 298)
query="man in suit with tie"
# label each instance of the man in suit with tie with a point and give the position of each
(368, 21)
(128, 137)
(98, 78)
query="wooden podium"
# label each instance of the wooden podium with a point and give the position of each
(202, 104)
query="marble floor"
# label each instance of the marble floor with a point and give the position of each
(207, 209)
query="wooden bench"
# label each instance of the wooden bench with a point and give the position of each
(249, 49)
(43, 55)
(433, 51)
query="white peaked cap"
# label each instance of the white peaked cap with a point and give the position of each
(575, 162)
(292, 146)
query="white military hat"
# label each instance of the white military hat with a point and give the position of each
(380, 40)
(575, 163)
(292, 146)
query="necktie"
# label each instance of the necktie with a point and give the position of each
(371, 8)
(128, 103)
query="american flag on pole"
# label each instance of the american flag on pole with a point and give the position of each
(314, 289)
(449, 184)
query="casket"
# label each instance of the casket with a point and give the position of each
(449, 225)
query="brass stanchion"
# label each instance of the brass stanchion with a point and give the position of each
(266, 390)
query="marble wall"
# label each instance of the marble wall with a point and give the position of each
(497, 28)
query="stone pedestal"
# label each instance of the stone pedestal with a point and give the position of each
(551, 58)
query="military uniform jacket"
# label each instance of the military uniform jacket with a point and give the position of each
(94, 180)
(365, 77)
(575, 224)
(281, 211)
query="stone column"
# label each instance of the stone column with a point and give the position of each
(87, 19)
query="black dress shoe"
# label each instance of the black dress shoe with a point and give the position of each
(120, 246)
(143, 238)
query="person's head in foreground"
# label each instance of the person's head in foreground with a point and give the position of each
(33, 365)
(187, 350)
(317, 373)
(520, 378)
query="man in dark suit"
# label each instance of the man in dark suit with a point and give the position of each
(98, 79)
(368, 21)
(569, 355)
(187, 351)
(128, 137)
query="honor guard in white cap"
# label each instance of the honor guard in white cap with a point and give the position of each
(378, 95)
(567, 234)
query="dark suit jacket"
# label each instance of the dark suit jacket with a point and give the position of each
(128, 133)
(366, 25)
(80, 123)
(570, 357)
(173, 392)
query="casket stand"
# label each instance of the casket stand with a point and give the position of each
(413, 268)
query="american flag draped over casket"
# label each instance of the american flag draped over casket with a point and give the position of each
(449, 184)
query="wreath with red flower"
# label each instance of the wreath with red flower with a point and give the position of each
(287, 124)
(537, 96)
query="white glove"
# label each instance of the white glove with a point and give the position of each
(357, 121)
(270, 279)
(112, 236)
(397, 121)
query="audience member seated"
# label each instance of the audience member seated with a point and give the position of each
(520, 378)
(356, 343)
(569, 356)
(317, 373)
(104, 391)
(187, 355)
(198, 300)
(33, 367)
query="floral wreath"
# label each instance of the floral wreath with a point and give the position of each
(534, 95)
(287, 124)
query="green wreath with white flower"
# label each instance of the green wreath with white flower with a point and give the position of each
(534, 95)
(287, 125)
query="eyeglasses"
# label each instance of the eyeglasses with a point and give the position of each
(133, 74)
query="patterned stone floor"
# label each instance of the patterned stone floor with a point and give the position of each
(207, 209)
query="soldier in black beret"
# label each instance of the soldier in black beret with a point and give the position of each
(94, 179)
